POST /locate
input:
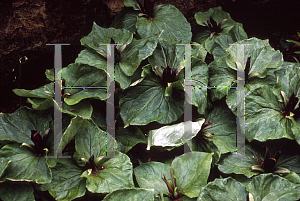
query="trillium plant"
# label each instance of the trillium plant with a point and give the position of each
(151, 151)
(213, 27)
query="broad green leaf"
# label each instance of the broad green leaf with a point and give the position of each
(199, 83)
(242, 179)
(293, 177)
(135, 52)
(296, 129)
(84, 76)
(263, 118)
(76, 125)
(131, 3)
(223, 189)
(288, 76)
(191, 171)
(100, 36)
(241, 163)
(270, 79)
(230, 28)
(41, 103)
(133, 194)
(289, 161)
(126, 81)
(17, 126)
(221, 76)
(46, 91)
(25, 166)
(91, 141)
(126, 19)
(169, 90)
(145, 102)
(131, 57)
(55, 139)
(99, 114)
(146, 70)
(169, 22)
(202, 35)
(171, 55)
(219, 43)
(83, 109)
(198, 52)
(129, 137)
(174, 135)
(267, 187)
(202, 144)
(50, 74)
(223, 70)
(223, 41)
(3, 164)
(223, 128)
(92, 58)
(216, 13)
(66, 182)
(149, 176)
(231, 98)
(16, 191)
(121, 78)
(117, 174)
(263, 56)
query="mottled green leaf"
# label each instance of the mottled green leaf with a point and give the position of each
(134, 194)
(66, 182)
(17, 126)
(267, 187)
(25, 165)
(16, 191)
(169, 22)
(223, 189)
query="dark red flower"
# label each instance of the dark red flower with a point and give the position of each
(268, 164)
(207, 123)
(147, 8)
(247, 69)
(290, 107)
(213, 27)
(117, 52)
(39, 142)
(70, 147)
(90, 164)
(169, 75)
(205, 133)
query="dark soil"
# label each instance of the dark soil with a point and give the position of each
(27, 26)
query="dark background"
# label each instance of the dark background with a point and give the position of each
(27, 26)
